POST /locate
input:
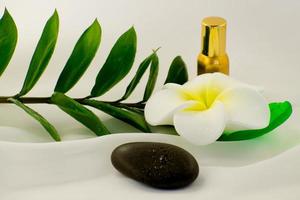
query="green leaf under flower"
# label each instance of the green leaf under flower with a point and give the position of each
(280, 112)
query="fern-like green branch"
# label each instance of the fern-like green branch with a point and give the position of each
(117, 65)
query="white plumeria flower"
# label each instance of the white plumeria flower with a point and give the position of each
(203, 108)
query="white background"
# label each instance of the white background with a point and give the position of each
(263, 46)
(263, 40)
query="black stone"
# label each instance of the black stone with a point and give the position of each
(159, 165)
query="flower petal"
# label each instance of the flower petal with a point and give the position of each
(174, 86)
(208, 86)
(246, 109)
(220, 82)
(160, 107)
(201, 127)
(224, 81)
(195, 89)
(198, 82)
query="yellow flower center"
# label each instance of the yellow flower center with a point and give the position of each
(205, 97)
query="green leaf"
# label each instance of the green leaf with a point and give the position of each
(81, 57)
(49, 127)
(118, 63)
(136, 79)
(152, 77)
(129, 116)
(42, 54)
(280, 112)
(80, 113)
(8, 39)
(177, 72)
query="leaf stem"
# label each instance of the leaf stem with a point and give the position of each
(28, 100)
(47, 100)
(118, 104)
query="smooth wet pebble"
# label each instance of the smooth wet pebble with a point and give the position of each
(159, 165)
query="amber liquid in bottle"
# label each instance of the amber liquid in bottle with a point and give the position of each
(213, 56)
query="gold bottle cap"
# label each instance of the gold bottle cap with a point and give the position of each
(213, 36)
